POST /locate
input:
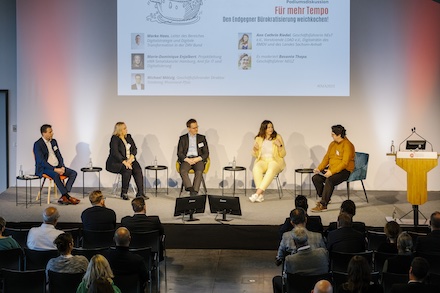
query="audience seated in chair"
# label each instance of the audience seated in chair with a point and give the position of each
(400, 263)
(314, 223)
(359, 278)
(287, 245)
(392, 230)
(6, 242)
(42, 238)
(66, 262)
(306, 260)
(431, 242)
(345, 238)
(348, 206)
(124, 262)
(417, 274)
(98, 268)
(98, 217)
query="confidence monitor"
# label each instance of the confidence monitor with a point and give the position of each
(224, 205)
(190, 205)
(416, 144)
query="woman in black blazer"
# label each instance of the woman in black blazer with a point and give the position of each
(122, 160)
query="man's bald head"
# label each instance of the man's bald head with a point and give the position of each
(122, 237)
(51, 215)
(323, 286)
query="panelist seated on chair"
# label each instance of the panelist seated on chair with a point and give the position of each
(335, 168)
(122, 160)
(192, 154)
(49, 161)
(42, 238)
(269, 152)
(98, 217)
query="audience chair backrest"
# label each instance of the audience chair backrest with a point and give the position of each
(128, 283)
(33, 281)
(298, 283)
(11, 259)
(64, 282)
(97, 239)
(20, 235)
(38, 259)
(375, 239)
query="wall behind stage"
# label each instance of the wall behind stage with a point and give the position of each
(66, 71)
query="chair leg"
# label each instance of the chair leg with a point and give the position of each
(279, 187)
(348, 190)
(41, 188)
(181, 189)
(364, 190)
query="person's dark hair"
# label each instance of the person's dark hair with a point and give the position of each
(358, 275)
(348, 206)
(62, 242)
(44, 128)
(2, 223)
(100, 285)
(435, 220)
(190, 121)
(263, 127)
(138, 204)
(338, 130)
(419, 268)
(301, 202)
(344, 220)
(298, 216)
(392, 230)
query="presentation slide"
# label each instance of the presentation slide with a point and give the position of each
(233, 47)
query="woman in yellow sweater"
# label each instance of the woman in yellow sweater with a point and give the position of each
(269, 151)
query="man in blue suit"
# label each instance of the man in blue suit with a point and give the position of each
(48, 160)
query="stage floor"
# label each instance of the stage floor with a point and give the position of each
(272, 211)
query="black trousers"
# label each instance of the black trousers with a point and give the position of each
(325, 186)
(138, 176)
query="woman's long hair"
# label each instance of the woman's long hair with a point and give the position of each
(263, 127)
(118, 128)
(98, 268)
(359, 275)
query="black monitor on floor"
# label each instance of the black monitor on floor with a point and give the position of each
(190, 205)
(224, 205)
(416, 144)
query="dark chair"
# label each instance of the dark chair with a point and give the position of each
(298, 283)
(434, 279)
(88, 252)
(38, 259)
(360, 171)
(388, 279)
(380, 258)
(415, 235)
(128, 283)
(24, 281)
(64, 282)
(339, 260)
(97, 239)
(375, 239)
(11, 259)
(20, 235)
(433, 259)
(339, 278)
(145, 252)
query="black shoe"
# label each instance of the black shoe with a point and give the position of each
(142, 195)
(124, 196)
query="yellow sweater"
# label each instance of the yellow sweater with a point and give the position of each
(339, 156)
(278, 153)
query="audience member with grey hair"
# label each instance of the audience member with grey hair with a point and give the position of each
(6, 242)
(42, 238)
(400, 263)
(306, 261)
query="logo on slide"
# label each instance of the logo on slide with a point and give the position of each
(177, 12)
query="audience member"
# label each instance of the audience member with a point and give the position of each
(323, 286)
(431, 242)
(66, 262)
(98, 268)
(417, 274)
(6, 242)
(124, 262)
(98, 217)
(392, 230)
(345, 238)
(314, 223)
(400, 263)
(348, 206)
(287, 245)
(306, 261)
(359, 278)
(100, 285)
(42, 238)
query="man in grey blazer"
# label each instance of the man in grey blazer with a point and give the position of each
(192, 153)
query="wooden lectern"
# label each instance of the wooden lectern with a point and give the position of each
(417, 164)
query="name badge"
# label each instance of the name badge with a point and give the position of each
(337, 152)
(201, 145)
(55, 148)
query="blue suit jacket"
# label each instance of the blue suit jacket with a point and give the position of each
(42, 154)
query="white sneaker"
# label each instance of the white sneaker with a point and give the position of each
(253, 197)
(260, 198)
